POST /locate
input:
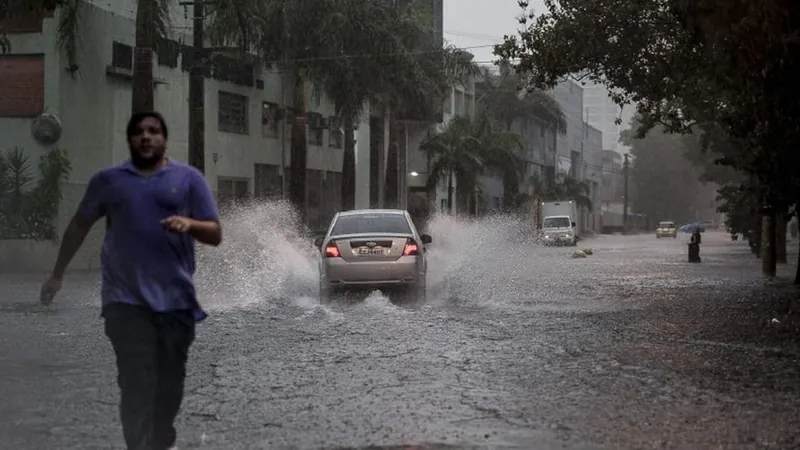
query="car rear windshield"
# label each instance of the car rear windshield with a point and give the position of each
(371, 223)
(666, 224)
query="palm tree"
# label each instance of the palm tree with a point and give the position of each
(464, 149)
(324, 44)
(503, 151)
(352, 51)
(363, 30)
(504, 98)
(12, 9)
(564, 187)
(152, 27)
(455, 153)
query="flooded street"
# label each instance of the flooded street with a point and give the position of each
(518, 346)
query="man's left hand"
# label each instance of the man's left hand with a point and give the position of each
(178, 224)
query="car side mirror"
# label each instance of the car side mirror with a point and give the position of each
(573, 224)
(318, 241)
(426, 239)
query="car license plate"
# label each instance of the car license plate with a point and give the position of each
(370, 251)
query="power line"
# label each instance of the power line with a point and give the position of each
(375, 55)
(467, 34)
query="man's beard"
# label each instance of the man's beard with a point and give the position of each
(146, 163)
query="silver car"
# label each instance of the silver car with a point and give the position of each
(373, 249)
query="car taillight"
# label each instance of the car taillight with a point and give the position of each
(411, 248)
(332, 251)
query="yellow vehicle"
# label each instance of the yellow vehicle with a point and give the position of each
(666, 229)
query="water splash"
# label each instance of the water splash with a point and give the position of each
(266, 255)
(267, 258)
(474, 260)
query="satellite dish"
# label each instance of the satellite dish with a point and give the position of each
(46, 129)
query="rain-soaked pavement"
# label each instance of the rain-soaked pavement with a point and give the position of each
(518, 346)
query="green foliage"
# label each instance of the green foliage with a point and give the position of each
(352, 52)
(563, 187)
(502, 96)
(454, 151)
(729, 64)
(28, 210)
(13, 9)
(666, 183)
(502, 101)
(741, 206)
(464, 149)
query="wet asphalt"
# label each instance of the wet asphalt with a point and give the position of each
(518, 346)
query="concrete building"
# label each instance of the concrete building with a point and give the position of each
(602, 113)
(593, 175)
(245, 129)
(570, 146)
(613, 181)
(461, 102)
(578, 152)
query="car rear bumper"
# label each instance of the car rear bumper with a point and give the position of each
(403, 272)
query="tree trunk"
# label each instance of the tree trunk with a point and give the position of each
(299, 148)
(797, 272)
(142, 84)
(510, 189)
(780, 239)
(197, 111)
(768, 266)
(392, 164)
(349, 164)
(450, 192)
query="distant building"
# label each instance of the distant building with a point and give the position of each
(579, 150)
(602, 113)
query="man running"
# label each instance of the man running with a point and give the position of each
(155, 209)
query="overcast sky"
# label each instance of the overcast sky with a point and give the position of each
(481, 23)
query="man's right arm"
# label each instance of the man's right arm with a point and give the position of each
(91, 209)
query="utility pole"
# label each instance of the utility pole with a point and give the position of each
(625, 170)
(197, 153)
(283, 70)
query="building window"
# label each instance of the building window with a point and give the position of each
(121, 56)
(21, 23)
(268, 182)
(459, 106)
(336, 139)
(231, 191)
(468, 104)
(315, 130)
(448, 103)
(21, 85)
(232, 114)
(269, 119)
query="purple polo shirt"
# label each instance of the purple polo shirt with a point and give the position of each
(143, 263)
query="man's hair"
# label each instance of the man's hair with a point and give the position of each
(137, 118)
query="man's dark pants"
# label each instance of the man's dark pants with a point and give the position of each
(151, 349)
